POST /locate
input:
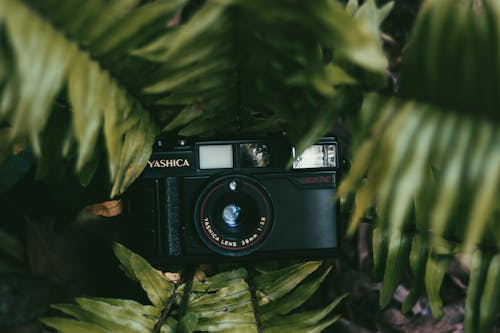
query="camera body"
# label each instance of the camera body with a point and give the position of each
(212, 201)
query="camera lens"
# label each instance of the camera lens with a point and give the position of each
(230, 215)
(233, 215)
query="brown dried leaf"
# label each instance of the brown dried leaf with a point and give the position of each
(106, 209)
(173, 277)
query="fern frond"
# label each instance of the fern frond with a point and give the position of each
(432, 154)
(46, 51)
(451, 59)
(235, 66)
(424, 160)
(225, 302)
(257, 66)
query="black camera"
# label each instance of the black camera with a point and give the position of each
(237, 199)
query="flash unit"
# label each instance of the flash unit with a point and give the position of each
(316, 156)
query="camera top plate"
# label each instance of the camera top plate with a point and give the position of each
(246, 156)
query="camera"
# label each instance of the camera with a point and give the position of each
(217, 200)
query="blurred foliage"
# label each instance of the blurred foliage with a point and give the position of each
(432, 158)
(117, 74)
(230, 301)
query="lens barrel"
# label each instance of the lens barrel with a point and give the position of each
(233, 215)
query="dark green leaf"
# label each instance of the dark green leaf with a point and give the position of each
(479, 270)
(152, 281)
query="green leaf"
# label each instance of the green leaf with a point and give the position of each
(309, 321)
(490, 299)
(412, 171)
(397, 148)
(434, 273)
(129, 317)
(188, 323)
(238, 322)
(450, 179)
(110, 322)
(352, 6)
(479, 269)
(486, 197)
(443, 30)
(40, 77)
(298, 328)
(368, 150)
(418, 259)
(380, 244)
(66, 325)
(276, 284)
(88, 95)
(368, 14)
(235, 297)
(294, 299)
(128, 30)
(184, 117)
(220, 280)
(363, 200)
(220, 303)
(131, 305)
(385, 10)
(136, 150)
(396, 265)
(68, 60)
(158, 288)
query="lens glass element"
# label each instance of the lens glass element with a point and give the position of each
(230, 215)
(316, 156)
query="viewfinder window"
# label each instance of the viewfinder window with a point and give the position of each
(216, 156)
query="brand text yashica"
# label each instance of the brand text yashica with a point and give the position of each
(171, 163)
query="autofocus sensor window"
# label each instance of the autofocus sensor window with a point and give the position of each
(254, 155)
(216, 156)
